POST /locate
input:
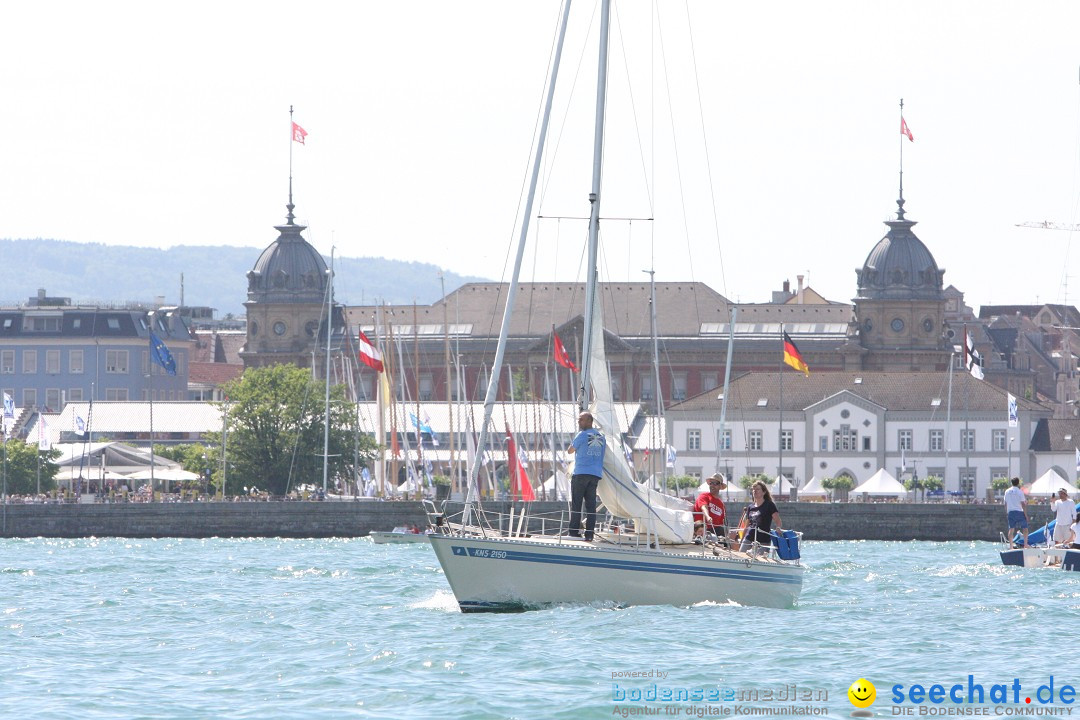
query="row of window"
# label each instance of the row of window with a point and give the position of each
(965, 476)
(116, 362)
(847, 439)
(54, 400)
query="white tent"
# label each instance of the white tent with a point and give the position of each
(781, 486)
(813, 488)
(556, 487)
(1049, 483)
(881, 483)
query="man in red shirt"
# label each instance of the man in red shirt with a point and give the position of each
(709, 510)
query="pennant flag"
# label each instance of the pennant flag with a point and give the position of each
(523, 458)
(520, 487)
(369, 354)
(423, 427)
(561, 356)
(792, 356)
(298, 134)
(973, 361)
(629, 454)
(80, 426)
(9, 407)
(671, 456)
(43, 435)
(1014, 418)
(1077, 459)
(427, 424)
(904, 130)
(903, 461)
(161, 355)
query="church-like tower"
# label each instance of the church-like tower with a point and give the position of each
(900, 304)
(286, 303)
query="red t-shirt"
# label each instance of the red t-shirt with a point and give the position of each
(711, 504)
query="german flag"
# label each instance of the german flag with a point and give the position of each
(793, 358)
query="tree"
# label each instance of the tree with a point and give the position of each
(747, 481)
(275, 431)
(22, 467)
(681, 482)
(838, 485)
(1000, 484)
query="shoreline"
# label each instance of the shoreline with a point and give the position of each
(313, 519)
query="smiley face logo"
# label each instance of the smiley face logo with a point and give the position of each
(862, 693)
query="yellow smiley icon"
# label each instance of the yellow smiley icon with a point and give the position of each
(862, 693)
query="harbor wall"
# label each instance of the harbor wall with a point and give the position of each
(818, 521)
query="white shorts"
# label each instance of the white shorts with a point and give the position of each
(1061, 533)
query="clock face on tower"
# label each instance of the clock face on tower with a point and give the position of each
(897, 325)
(279, 328)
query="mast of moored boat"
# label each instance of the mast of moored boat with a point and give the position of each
(329, 337)
(723, 398)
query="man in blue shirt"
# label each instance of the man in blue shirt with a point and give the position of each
(588, 451)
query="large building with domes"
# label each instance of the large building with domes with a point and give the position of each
(287, 303)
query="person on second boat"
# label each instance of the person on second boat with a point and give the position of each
(1016, 512)
(588, 449)
(1064, 516)
(760, 518)
(709, 510)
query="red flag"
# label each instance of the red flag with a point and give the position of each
(298, 134)
(369, 354)
(519, 479)
(561, 356)
(904, 129)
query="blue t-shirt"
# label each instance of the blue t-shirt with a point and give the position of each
(589, 453)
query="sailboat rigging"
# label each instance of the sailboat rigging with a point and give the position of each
(656, 560)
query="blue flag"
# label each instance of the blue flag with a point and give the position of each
(161, 355)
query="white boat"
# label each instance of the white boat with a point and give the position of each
(521, 566)
(1042, 557)
(399, 534)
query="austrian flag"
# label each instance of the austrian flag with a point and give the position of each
(369, 354)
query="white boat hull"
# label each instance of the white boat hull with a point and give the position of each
(1037, 557)
(489, 574)
(382, 537)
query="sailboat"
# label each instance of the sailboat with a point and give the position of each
(648, 556)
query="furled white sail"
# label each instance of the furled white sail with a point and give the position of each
(668, 518)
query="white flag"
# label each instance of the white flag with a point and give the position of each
(972, 359)
(43, 435)
(1014, 419)
(9, 407)
(671, 456)
(1078, 460)
(80, 426)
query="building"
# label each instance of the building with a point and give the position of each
(853, 423)
(53, 352)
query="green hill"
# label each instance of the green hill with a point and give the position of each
(212, 276)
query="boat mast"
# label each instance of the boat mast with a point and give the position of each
(656, 376)
(727, 381)
(329, 337)
(504, 331)
(594, 200)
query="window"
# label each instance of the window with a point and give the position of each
(75, 362)
(1000, 443)
(693, 439)
(845, 439)
(866, 443)
(41, 324)
(787, 439)
(694, 472)
(753, 440)
(7, 362)
(967, 440)
(113, 323)
(427, 387)
(723, 439)
(116, 394)
(905, 440)
(75, 395)
(823, 443)
(29, 362)
(708, 380)
(52, 399)
(678, 383)
(967, 480)
(29, 397)
(616, 388)
(646, 387)
(937, 440)
(116, 362)
(52, 363)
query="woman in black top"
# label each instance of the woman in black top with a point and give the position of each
(760, 517)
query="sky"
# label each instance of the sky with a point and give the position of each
(762, 139)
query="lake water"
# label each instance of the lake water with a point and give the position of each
(266, 628)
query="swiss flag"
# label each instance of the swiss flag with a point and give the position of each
(298, 134)
(369, 354)
(561, 356)
(904, 130)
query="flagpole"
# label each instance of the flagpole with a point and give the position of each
(780, 469)
(901, 154)
(150, 393)
(290, 157)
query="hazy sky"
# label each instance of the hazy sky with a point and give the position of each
(158, 125)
